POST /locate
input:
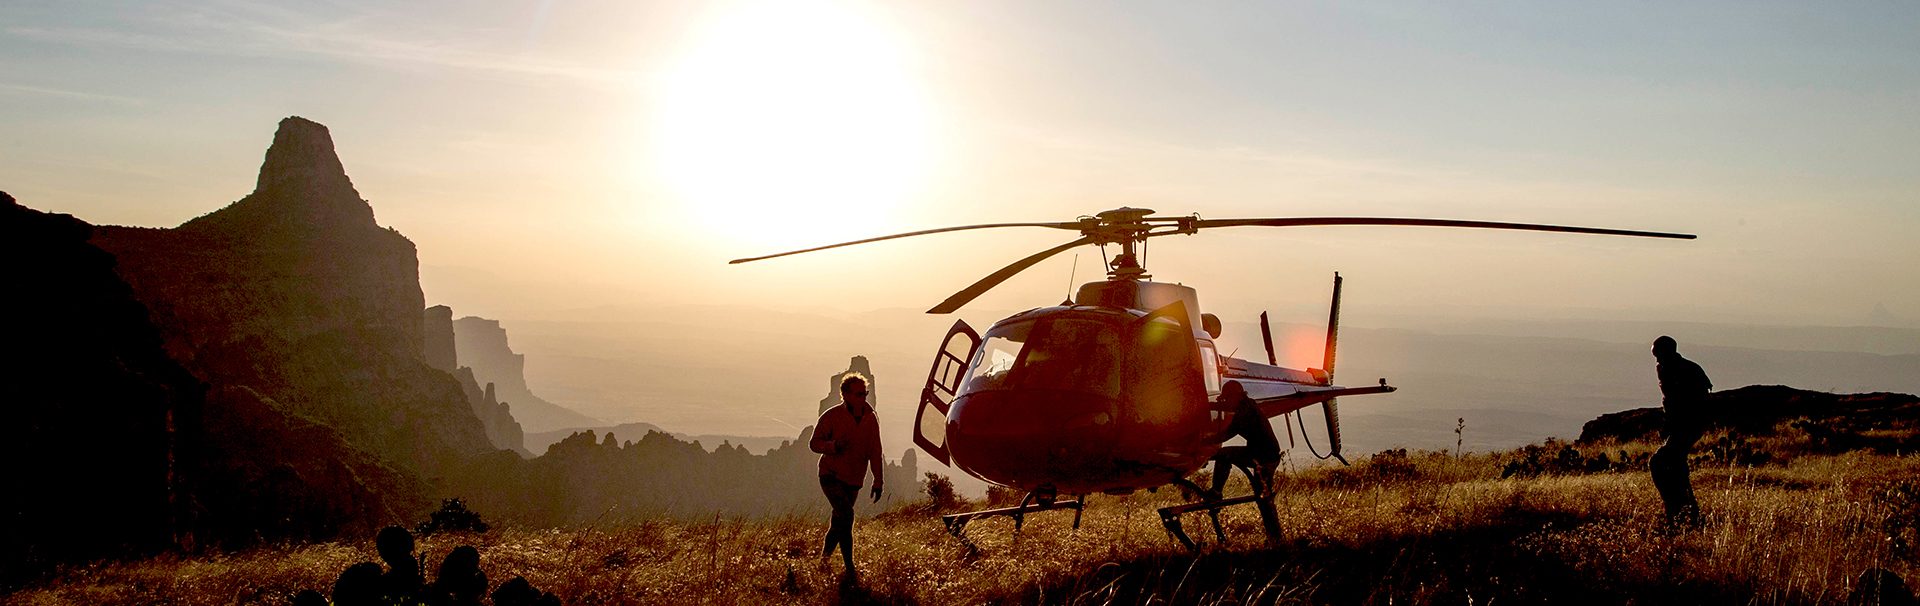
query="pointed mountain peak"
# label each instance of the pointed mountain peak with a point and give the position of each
(302, 188)
(302, 158)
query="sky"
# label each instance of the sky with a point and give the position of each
(587, 154)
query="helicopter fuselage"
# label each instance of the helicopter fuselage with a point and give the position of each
(1097, 397)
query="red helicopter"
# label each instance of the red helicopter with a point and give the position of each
(1121, 387)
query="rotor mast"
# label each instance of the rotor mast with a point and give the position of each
(1129, 228)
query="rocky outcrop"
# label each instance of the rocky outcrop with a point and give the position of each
(859, 365)
(497, 416)
(93, 458)
(442, 353)
(295, 294)
(1761, 408)
(482, 345)
(437, 324)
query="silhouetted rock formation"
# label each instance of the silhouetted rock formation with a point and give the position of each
(497, 416)
(93, 461)
(482, 345)
(440, 352)
(538, 442)
(295, 302)
(1760, 408)
(860, 365)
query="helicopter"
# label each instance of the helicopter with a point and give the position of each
(1120, 388)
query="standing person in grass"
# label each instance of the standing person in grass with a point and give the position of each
(848, 440)
(1684, 385)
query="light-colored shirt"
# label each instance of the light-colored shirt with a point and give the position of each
(861, 438)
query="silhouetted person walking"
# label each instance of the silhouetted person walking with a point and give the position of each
(1685, 388)
(848, 440)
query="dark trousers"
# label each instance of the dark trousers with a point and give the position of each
(1673, 478)
(1259, 470)
(841, 496)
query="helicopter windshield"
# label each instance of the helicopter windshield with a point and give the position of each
(1064, 353)
(993, 362)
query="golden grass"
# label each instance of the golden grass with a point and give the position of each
(1428, 528)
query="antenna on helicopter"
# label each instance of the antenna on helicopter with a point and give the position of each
(1071, 274)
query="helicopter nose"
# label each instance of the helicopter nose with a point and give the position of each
(1029, 438)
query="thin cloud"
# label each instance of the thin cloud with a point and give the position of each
(23, 89)
(284, 34)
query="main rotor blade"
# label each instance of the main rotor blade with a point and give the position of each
(1308, 221)
(1057, 225)
(969, 293)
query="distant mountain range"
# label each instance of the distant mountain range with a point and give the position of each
(538, 442)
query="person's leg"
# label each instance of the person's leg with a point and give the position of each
(1689, 509)
(834, 493)
(1668, 467)
(841, 497)
(843, 525)
(1223, 464)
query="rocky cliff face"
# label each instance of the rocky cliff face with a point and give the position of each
(442, 353)
(92, 457)
(1759, 408)
(482, 345)
(295, 294)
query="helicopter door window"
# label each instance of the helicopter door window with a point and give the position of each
(1210, 369)
(1161, 368)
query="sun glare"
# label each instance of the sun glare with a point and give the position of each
(792, 123)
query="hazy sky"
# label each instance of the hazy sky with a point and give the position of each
(553, 155)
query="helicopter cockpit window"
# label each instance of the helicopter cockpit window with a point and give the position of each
(1074, 354)
(993, 362)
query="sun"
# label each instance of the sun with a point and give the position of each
(792, 123)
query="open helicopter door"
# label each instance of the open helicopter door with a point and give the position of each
(943, 384)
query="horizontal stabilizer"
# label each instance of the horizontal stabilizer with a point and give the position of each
(1276, 402)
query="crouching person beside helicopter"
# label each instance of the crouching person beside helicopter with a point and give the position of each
(847, 437)
(1258, 458)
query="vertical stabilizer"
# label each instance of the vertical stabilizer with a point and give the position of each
(1332, 407)
(1266, 336)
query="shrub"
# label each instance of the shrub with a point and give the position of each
(1559, 458)
(940, 493)
(453, 516)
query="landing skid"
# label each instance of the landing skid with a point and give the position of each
(957, 523)
(1211, 503)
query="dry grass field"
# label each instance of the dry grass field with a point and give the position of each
(1424, 528)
